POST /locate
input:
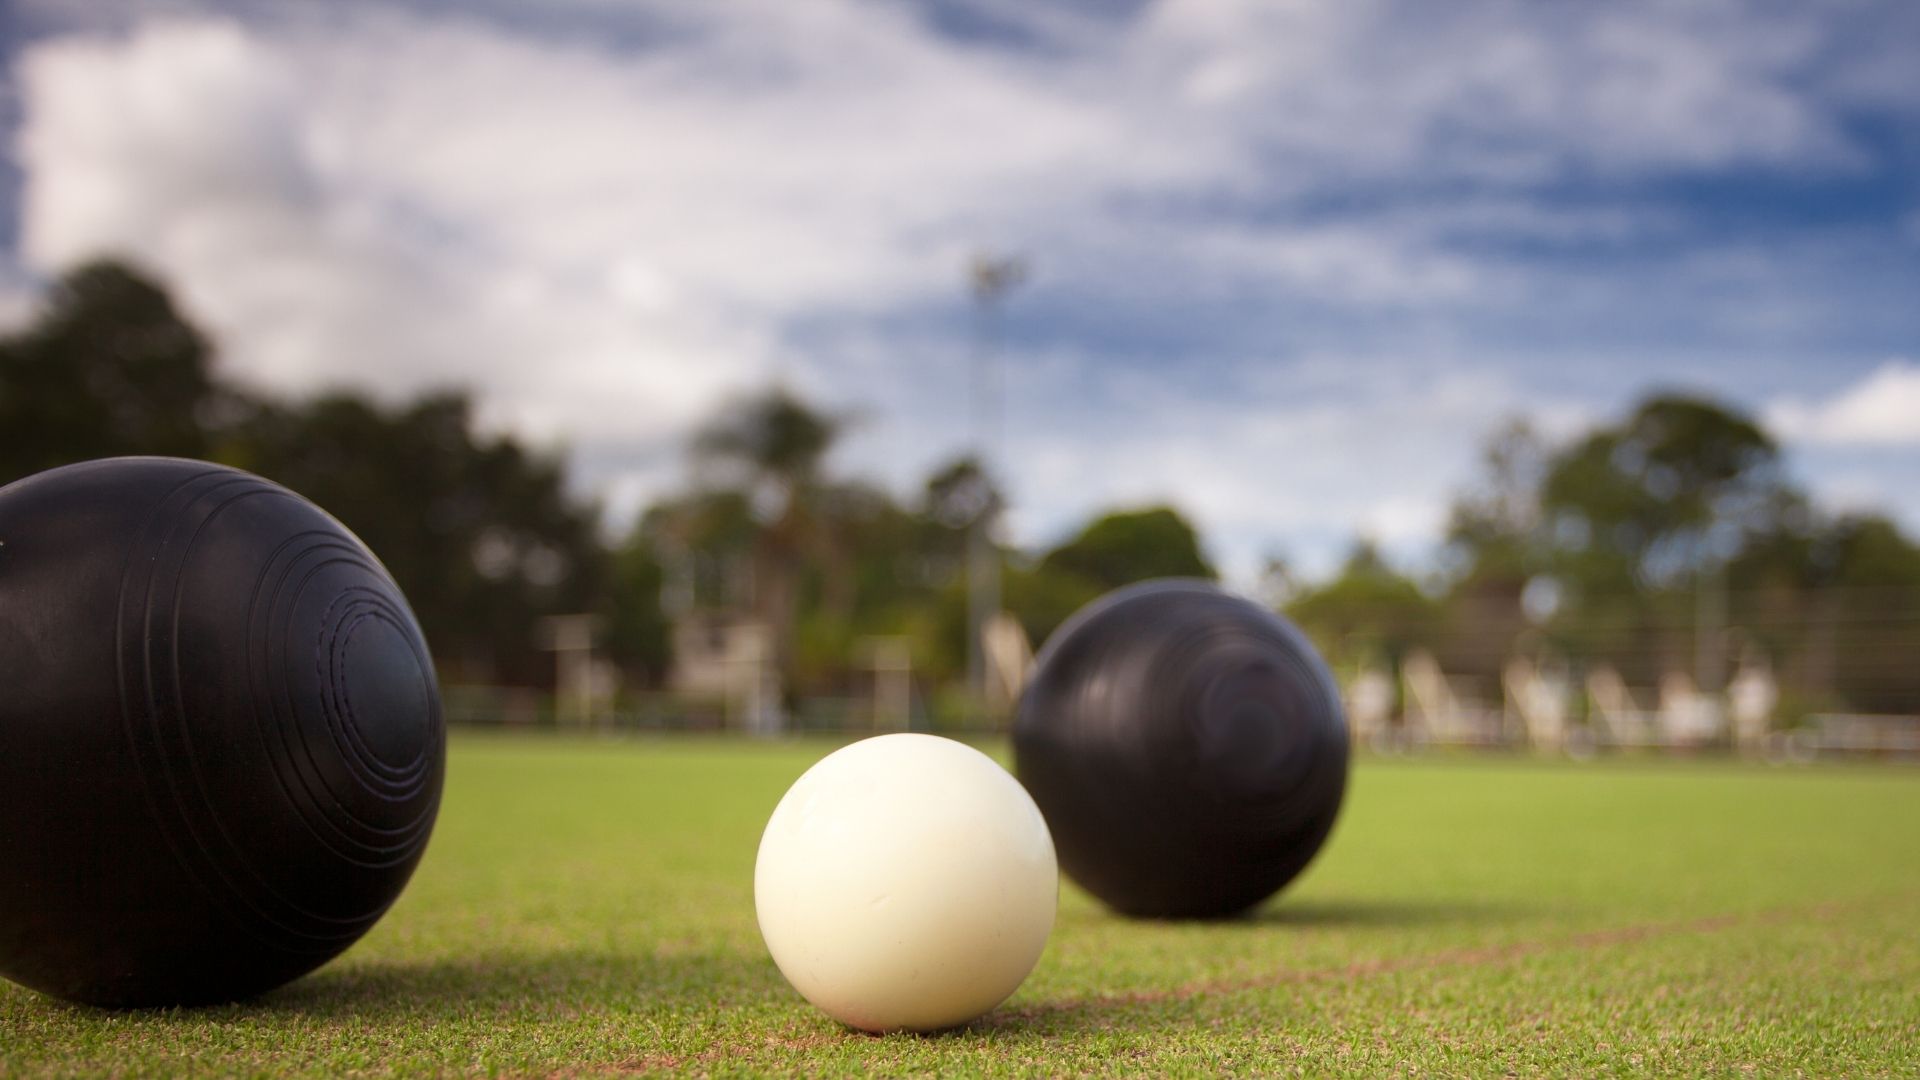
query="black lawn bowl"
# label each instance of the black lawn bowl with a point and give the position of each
(1188, 750)
(221, 746)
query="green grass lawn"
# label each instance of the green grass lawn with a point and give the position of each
(588, 908)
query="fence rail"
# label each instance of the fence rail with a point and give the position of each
(1495, 729)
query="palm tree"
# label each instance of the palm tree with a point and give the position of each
(771, 445)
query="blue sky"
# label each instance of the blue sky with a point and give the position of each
(1291, 261)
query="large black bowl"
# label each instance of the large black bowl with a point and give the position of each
(1187, 748)
(221, 746)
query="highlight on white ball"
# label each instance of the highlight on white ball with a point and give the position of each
(906, 882)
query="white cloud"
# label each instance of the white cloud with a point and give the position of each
(1296, 457)
(16, 309)
(219, 158)
(1501, 92)
(1882, 409)
(603, 239)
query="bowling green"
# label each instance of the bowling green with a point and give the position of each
(586, 908)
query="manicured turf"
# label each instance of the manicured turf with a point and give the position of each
(586, 907)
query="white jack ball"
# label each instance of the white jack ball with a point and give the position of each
(906, 882)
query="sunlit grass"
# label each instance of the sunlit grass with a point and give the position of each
(587, 907)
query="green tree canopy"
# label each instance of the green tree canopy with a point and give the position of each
(1675, 542)
(1131, 545)
(638, 631)
(1115, 549)
(1494, 525)
(1672, 488)
(480, 532)
(109, 367)
(770, 443)
(1368, 612)
(960, 493)
(771, 446)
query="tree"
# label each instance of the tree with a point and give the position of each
(480, 532)
(1123, 547)
(638, 634)
(1634, 523)
(1864, 624)
(1495, 524)
(961, 492)
(1642, 518)
(1830, 603)
(866, 578)
(1674, 540)
(771, 445)
(109, 367)
(1278, 583)
(1496, 544)
(1118, 548)
(1369, 612)
(1040, 598)
(1663, 494)
(704, 541)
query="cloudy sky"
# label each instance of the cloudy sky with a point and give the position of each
(1290, 261)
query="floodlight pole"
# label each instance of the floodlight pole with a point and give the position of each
(990, 277)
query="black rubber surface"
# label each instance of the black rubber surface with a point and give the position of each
(1187, 748)
(221, 745)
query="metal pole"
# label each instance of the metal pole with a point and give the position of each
(1709, 628)
(991, 278)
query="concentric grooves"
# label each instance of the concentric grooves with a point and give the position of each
(277, 645)
(310, 594)
(353, 609)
